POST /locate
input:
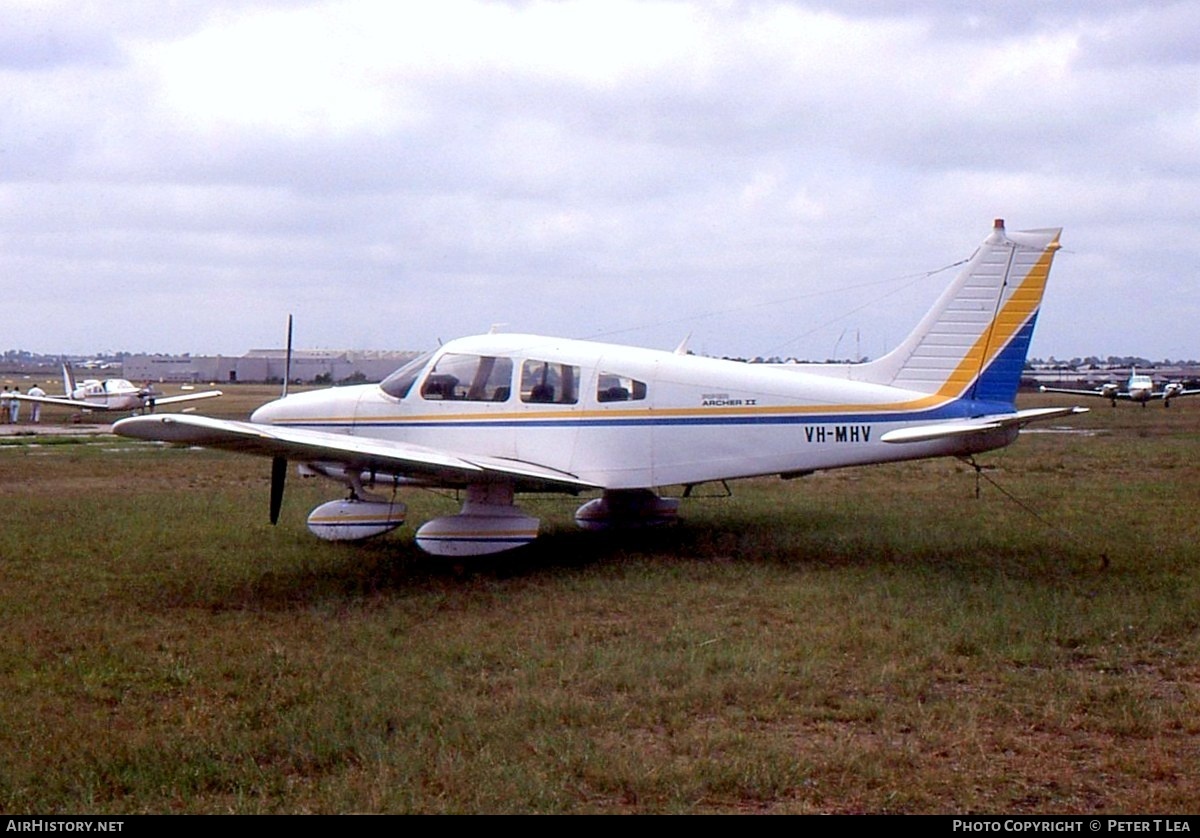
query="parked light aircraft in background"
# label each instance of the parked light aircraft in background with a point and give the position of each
(111, 394)
(1139, 388)
(500, 414)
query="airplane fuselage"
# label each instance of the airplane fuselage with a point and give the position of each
(1140, 388)
(110, 394)
(618, 417)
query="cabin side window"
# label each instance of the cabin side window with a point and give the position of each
(545, 382)
(472, 378)
(611, 387)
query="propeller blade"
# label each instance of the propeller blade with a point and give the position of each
(278, 475)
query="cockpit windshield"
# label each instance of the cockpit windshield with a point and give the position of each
(401, 381)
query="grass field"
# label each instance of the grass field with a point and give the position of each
(870, 640)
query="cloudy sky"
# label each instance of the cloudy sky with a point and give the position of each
(773, 178)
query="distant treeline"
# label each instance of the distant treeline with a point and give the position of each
(1096, 363)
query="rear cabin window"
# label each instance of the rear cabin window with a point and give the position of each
(471, 378)
(612, 387)
(545, 382)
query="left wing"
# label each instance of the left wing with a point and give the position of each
(982, 424)
(355, 453)
(59, 400)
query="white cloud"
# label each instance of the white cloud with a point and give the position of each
(397, 172)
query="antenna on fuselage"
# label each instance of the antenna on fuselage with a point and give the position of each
(287, 361)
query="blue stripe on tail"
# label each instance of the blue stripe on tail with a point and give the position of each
(999, 382)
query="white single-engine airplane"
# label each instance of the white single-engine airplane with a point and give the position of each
(1139, 388)
(500, 414)
(111, 394)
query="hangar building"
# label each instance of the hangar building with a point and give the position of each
(257, 365)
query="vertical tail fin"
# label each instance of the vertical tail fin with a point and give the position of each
(68, 379)
(973, 342)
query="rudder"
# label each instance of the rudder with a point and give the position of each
(973, 342)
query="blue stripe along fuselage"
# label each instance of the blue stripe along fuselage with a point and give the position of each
(958, 409)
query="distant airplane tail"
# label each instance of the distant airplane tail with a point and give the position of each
(973, 342)
(68, 379)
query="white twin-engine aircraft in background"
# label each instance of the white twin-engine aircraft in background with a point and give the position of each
(111, 394)
(500, 414)
(1139, 388)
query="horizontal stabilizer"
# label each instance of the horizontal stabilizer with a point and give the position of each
(982, 424)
